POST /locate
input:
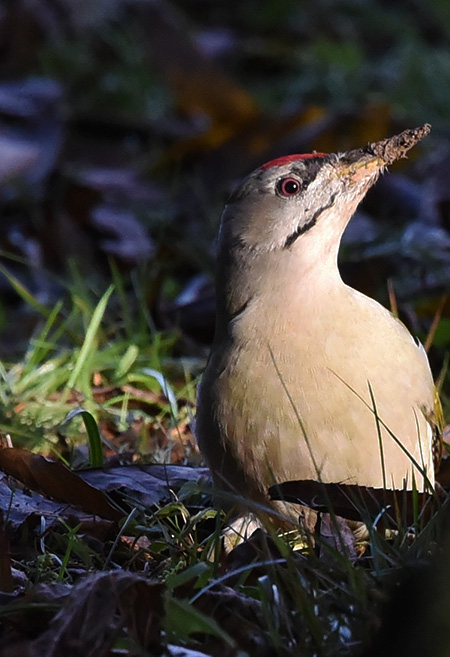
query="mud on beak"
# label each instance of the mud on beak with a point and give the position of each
(362, 163)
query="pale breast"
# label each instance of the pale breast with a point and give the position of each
(302, 407)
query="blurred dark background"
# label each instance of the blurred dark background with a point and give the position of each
(125, 124)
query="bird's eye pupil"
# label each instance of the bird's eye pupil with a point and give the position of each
(288, 187)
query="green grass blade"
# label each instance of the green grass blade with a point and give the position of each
(40, 346)
(166, 389)
(25, 294)
(182, 619)
(118, 282)
(89, 344)
(127, 361)
(95, 441)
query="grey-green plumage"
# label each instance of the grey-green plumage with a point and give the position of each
(300, 361)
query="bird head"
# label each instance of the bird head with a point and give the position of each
(296, 197)
(283, 224)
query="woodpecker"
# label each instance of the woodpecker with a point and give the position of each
(308, 379)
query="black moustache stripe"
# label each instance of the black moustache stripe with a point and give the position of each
(303, 228)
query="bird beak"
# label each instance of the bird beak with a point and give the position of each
(362, 168)
(362, 163)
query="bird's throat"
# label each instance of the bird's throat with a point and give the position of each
(304, 227)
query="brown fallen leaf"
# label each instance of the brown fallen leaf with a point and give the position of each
(27, 616)
(19, 507)
(54, 479)
(351, 501)
(86, 619)
(97, 610)
(145, 484)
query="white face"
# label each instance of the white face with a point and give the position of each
(282, 226)
(282, 202)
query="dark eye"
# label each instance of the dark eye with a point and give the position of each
(288, 187)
